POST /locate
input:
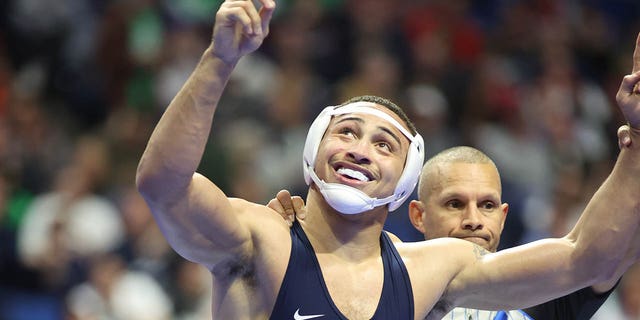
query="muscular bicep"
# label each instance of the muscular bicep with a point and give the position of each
(203, 225)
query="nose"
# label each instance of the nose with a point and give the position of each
(472, 219)
(359, 152)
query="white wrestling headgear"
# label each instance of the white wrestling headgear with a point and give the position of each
(349, 200)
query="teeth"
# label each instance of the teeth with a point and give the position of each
(353, 174)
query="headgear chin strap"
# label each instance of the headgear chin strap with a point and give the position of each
(349, 200)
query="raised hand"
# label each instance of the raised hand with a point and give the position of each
(628, 96)
(240, 28)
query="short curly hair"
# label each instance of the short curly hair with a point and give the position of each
(387, 104)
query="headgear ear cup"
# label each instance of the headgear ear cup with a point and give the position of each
(410, 174)
(406, 182)
(312, 143)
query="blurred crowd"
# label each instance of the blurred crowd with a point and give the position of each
(83, 82)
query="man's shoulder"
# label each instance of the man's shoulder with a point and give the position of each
(260, 219)
(439, 248)
(438, 254)
(432, 265)
(255, 213)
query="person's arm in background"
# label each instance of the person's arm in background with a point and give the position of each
(195, 216)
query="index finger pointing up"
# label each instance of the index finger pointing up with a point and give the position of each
(636, 56)
(266, 12)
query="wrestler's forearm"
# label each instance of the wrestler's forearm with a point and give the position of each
(177, 143)
(632, 256)
(189, 209)
(589, 255)
(605, 231)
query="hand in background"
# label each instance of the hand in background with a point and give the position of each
(288, 206)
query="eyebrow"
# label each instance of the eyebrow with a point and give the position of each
(458, 195)
(385, 129)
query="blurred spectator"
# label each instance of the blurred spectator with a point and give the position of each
(191, 291)
(429, 110)
(114, 292)
(12, 273)
(144, 248)
(294, 96)
(377, 71)
(72, 222)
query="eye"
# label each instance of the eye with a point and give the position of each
(347, 131)
(384, 145)
(488, 205)
(385, 141)
(454, 204)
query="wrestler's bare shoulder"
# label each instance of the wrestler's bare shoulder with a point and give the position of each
(440, 247)
(256, 212)
(432, 265)
(267, 227)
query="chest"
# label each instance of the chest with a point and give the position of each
(355, 289)
(344, 285)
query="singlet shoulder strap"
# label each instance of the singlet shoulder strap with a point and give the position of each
(396, 301)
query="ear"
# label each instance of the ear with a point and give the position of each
(505, 209)
(416, 209)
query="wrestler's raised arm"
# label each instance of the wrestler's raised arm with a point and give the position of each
(593, 252)
(196, 217)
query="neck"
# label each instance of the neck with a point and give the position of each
(331, 231)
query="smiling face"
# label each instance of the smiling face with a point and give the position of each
(461, 200)
(363, 151)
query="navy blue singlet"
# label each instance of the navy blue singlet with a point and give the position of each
(304, 295)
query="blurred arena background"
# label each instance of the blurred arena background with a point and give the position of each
(82, 82)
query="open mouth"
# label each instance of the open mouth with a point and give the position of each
(353, 174)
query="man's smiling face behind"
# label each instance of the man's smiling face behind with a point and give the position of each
(363, 151)
(461, 200)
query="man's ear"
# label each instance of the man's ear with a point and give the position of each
(416, 209)
(505, 210)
